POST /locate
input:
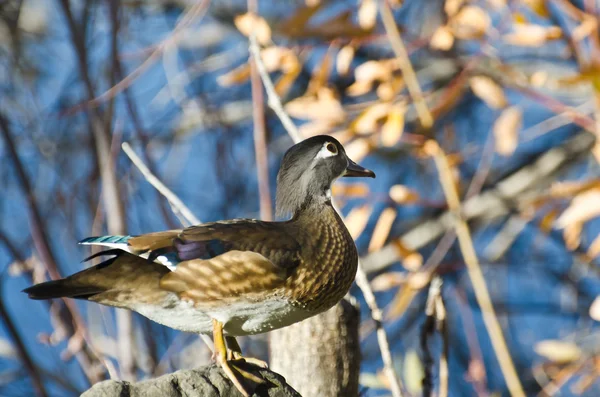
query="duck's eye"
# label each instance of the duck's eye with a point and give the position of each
(331, 148)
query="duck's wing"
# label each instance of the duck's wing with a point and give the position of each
(224, 260)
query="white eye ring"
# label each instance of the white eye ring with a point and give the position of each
(331, 148)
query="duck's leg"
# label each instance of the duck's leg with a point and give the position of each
(235, 353)
(221, 356)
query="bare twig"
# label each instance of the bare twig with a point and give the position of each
(474, 270)
(179, 208)
(197, 10)
(182, 212)
(26, 359)
(260, 144)
(74, 322)
(272, 98)
(407, 70)
(382, 339)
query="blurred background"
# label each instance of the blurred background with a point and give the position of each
(495, 100)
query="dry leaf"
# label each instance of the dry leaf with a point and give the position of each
(359, 189)
(547, 221)
(506, 130)
(316, 127)
(249, 22)
(368, 121)
(572, 235)
(387, 90)
(538, 78)
(358, 149)
(583, 207)
(471, 22)
(344, 60)
(413, 373)
(359, 88)
(374, 70)
(320, 75)
(442, 39)
(558, 351)
(594, 248)
(367, 14)
(389, 280)
(403, 195)
(357, 220)
(529, 35)
(236, 76)
(392, 129)
(488, 90)
(382, 229)
(595, 309)
(587, 27)
(324, 106)
(451, 7)
(411, 260)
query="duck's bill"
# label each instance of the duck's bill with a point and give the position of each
(355, 170)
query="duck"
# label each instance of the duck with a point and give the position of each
(234, 277)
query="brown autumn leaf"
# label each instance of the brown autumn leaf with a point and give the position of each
(488, 91)
(388, 280)
(235, 76)
(401, 194)
(357, 220)
(359, 88)
(530, 35)
(358, 149)
(566, 189)
(411, 260)
(547, 221)
(387, 90)
(249, 22)
(344, 60)
(392, 129)
(595, 309)
(369, 119)
(323, 106)
(538, 6)
(442, 39)
(382, 229)
(594, 248)
(359, 189)
(583, 207)
(372, 71)
(506, 130)
(451, 7)
(471, 22)
(367, 14)
(320, 76)
(316, 127)
(557, 351)
(585, 28)
(572, 235)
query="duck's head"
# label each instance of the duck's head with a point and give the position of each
(309, 168)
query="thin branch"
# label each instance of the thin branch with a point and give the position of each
(260, 144)
(272, 98)
(388, 366)
(74, 322)
(182, 212)
(30, 366)
(474, 270)
(179, 208)
(405, 66)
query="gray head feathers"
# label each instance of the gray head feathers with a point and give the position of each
(307, 171)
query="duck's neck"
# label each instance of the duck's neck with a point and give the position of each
(314, 206)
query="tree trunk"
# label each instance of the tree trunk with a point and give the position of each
(320, 356)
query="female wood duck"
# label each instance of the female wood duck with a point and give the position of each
(235, 277)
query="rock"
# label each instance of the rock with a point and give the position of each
(207, 381)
